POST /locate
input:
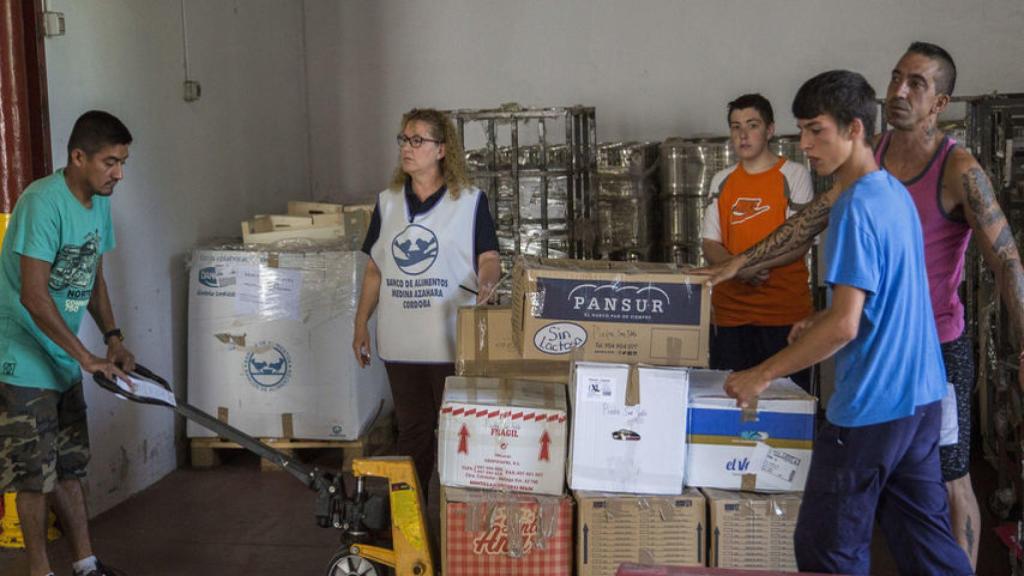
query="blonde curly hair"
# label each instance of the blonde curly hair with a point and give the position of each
(453, 165)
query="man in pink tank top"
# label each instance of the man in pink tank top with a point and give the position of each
(954, 199)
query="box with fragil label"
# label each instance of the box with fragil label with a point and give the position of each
(499, 434)
(628, 430)
(633, 312)
(616, 528)
(764, 448)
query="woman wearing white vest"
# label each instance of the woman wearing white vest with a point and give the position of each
(432, 248)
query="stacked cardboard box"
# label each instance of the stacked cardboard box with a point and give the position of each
(501, 458)
(749, 530)
(649, 529)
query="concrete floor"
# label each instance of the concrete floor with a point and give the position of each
(235, 521)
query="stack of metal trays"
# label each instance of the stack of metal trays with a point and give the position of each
(538, 168)
(687, 167)
(627, 189)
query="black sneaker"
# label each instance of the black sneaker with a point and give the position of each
(101, 570)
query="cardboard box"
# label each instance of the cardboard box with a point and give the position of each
(753, 531)
(484, 347)
(616, 528)
(622, 442)
(633, 312)
(268, 343)
(476, 539)
(503, 435)
(764, 449)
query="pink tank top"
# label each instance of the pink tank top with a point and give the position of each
(945, 239)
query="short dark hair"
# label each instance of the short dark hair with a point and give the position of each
(841, 94)
(95, 130)
(755, 101)
(945, 82)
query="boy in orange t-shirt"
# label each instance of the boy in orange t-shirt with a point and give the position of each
(754, 313)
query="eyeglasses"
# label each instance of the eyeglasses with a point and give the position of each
(415, 141)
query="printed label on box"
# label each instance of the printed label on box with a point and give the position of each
(613, 301)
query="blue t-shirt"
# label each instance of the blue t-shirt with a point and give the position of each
(895, 363)
(49, 224)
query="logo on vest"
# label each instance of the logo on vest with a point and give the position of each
(414, 249)
(268, 366)
(744, 209)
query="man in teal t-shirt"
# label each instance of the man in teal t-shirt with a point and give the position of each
(51, 273)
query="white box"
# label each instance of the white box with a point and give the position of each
(764, 450)
(269, 344)
(640, 448)
(503, 435)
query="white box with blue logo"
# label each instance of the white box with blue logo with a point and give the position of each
(269, 344)
(762, 449)
(628, 430)
(632, 312)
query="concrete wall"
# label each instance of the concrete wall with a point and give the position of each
(196, 169)
(652, 68)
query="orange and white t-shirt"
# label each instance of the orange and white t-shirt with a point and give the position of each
(744, 209)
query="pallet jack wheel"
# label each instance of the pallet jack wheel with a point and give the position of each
(347, 564)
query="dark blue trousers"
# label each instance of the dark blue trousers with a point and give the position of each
(743, 347)
(887, 472)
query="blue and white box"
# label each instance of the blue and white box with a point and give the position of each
(766, 449)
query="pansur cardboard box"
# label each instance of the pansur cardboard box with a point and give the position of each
(616, 528)
(487, 533)
(628, 442)
(753, 531)
(503, 435)
(484, 347)
(762, 449)
(268, 334)
(634, 312)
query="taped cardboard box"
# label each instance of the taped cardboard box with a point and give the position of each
(486, 533)
(267, 342)
(628, 430)
(616, 528)
(484, 347)
(501, 434)
(765, 448)
(752, 531)
(633, 312)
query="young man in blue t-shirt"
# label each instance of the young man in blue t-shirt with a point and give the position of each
(51, 273)
(877, 454)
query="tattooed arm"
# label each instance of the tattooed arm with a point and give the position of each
(792, 237)
(992, 233)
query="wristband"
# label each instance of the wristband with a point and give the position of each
(111, 334)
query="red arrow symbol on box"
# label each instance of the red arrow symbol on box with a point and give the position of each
(545, 440)
(464, 440)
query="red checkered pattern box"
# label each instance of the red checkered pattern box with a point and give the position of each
(476, 539)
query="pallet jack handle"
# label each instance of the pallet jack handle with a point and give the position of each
(328, 486)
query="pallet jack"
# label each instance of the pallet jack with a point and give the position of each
(360, 516)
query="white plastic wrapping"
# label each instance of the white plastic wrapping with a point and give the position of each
(270, 333)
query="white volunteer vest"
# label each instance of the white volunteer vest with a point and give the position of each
(422, 262)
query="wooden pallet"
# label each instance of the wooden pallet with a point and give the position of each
(205, 452)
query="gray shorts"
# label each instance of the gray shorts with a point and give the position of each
(43, 437)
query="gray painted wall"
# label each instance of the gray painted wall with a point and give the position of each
(195, 171)
(652, 68)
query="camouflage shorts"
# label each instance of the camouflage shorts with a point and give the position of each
(43, 437)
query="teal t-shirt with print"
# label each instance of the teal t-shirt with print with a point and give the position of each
(49, 224)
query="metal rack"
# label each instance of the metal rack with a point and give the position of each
(627, 189)
(538, 168)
